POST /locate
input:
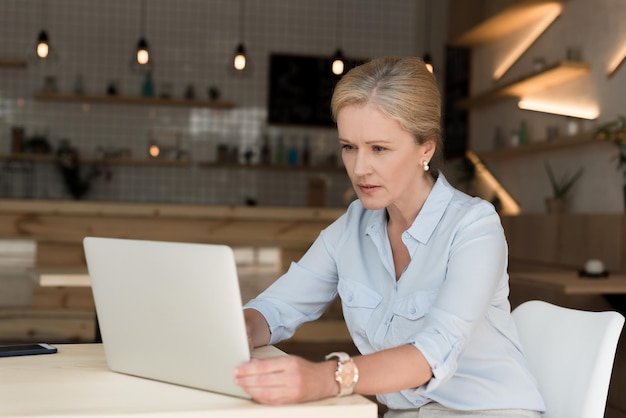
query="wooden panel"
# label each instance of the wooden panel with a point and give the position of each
(71, 298)
(52, 254)
(566, 240)
(605, 241)
(72, 229)
(532, 237)
(46, 325)
(571, 247)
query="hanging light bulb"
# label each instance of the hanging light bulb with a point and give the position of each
(240, 58)
(338, 65)
(239, 61)
(143, 55)
(428, 61)
(43, 46)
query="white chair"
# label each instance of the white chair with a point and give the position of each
(571, 354)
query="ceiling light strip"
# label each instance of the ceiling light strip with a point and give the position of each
(583, 112)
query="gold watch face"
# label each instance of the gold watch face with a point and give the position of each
(348, 373)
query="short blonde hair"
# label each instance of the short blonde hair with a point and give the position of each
(401, 88)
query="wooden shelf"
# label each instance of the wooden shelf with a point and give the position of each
(122, 100)
(43, 158)
(552, 76)
(539, 147)
(12, 63)
(509, 20)
(277, 167)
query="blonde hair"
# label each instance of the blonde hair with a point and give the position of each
(402, 89)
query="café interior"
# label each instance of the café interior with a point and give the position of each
(207, 121)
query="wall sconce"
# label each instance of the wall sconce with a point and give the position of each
(564, 109)
(239, 61)
(552, 11)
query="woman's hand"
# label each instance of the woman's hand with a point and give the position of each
(287, 380)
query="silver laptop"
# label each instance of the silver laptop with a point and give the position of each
(169, 311)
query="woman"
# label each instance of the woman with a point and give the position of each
(421, 269)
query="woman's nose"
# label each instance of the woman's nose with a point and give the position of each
(361, 164)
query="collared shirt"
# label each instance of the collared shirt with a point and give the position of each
(451, 302)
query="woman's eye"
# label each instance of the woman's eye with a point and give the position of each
(346, 147)
(378, 148)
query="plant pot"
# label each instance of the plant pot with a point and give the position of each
(555, 205)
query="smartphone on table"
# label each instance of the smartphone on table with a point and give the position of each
(12, 350)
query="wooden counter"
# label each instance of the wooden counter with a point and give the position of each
(59, 226)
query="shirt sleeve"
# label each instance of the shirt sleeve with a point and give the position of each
(304, 292)
(476, 276)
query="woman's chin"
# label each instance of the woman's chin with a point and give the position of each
(371, 204)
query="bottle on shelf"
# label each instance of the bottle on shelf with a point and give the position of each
(292, 153)
(498, 138)
(147, 89)
(266, 151)
(280, 151)
(522, 134)
(306, 151)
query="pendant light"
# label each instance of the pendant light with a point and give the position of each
(43, 44)
(43, 41)
(427, 58)
(239, 62)
(143, 53)
(338, 66)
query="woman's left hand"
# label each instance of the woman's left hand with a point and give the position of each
(287, 380)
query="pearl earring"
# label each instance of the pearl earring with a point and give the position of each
(426, 166)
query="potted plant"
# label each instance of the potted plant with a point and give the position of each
(615, 132)
(560, 187)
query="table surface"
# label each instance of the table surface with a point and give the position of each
(76, 382)
(571, 284)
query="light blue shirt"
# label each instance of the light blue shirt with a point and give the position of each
(451, 302)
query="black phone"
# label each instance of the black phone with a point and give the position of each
(26, 349)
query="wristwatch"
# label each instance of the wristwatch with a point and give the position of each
(347, 374)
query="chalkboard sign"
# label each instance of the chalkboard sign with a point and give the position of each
(301, 88)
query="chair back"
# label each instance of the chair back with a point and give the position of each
(570, 352)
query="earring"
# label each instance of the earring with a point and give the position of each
(426, 166)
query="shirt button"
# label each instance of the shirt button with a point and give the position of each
(350, 298)
(413, 310)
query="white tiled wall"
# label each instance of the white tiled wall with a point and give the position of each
(191, 42)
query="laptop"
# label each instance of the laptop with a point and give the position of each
(169, 311)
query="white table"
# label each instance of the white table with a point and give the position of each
(75, 382)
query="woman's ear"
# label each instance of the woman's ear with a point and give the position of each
(429, 148)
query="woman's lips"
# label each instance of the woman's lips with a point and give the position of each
(368, 188)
